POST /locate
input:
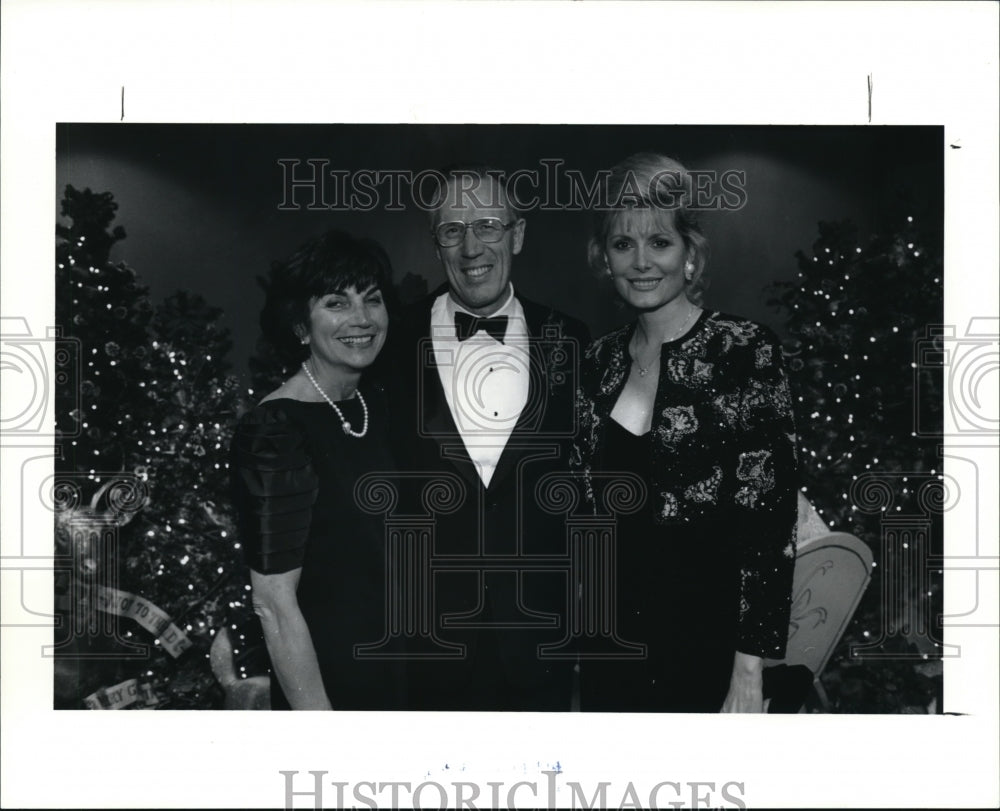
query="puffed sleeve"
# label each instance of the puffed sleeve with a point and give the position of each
(274, 489)
(766, 498)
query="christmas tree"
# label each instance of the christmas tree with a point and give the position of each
(856, 314)
(104, 306)
(144, 445)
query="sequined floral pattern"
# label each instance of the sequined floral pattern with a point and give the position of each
(678, 422)
(692, 372)
(668, 505)
(706, 491)
(755, 467)
(722, 452)
(615, 368)
(763, 355)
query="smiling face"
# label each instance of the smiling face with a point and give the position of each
(646, 257)
(478, 272)
(346, 330)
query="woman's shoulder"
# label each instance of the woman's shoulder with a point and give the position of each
(601, 346)
(293, 389)
(739, 331)
(741, 344)
(282, 404)
(270, 427)
(274, 408)
(289, 409)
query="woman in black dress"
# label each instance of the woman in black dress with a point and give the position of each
(696, 402)
(316, 560)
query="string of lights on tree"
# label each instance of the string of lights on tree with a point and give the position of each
(855, 312)
(155, 401)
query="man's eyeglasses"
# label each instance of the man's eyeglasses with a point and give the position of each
(487, 229)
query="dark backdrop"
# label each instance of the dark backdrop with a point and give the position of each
(201, 202)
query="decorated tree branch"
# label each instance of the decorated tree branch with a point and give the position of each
(156, 410)
(855, 315)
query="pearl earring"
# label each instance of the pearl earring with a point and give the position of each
(303, 340)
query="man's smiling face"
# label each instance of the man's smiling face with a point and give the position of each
(478, 272)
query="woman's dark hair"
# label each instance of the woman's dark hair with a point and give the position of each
(330, 263)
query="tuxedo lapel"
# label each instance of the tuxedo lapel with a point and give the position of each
(434, 420)
(531, 419)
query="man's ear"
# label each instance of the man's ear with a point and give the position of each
(518, 236)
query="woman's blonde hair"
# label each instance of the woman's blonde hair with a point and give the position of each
(648, 180)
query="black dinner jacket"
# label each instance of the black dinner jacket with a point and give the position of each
(506, 518)
(424, 423)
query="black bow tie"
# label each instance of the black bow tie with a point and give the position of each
(468, 325)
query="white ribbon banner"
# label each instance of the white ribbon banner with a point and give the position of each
(122, 695)
(151, 617)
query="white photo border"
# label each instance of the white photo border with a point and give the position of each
(559, 62)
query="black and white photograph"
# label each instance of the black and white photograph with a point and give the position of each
(524, 433)
(207, 412)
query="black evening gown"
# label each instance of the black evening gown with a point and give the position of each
(677, 593)
(294, 474)
(705, 568)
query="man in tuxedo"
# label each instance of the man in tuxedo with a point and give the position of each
(483, 390)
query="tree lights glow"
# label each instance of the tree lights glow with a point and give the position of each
(158, 371)
(855, 320)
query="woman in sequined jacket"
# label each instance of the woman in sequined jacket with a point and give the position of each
(693, 406)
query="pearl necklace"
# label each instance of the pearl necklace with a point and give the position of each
(343, 422)
(643, 370)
